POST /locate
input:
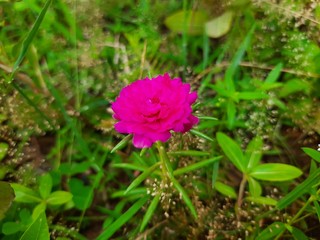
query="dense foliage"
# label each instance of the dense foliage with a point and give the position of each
(248, 170)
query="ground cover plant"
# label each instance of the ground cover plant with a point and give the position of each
(159, 119)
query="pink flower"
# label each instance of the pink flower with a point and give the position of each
(150, 108)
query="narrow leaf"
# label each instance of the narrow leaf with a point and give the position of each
(274, 74)
(185, 197)
(201, 135)
(271, 231)
(225, 190)
(275, 172)
(262, 200)
(111, 229)
(314, 154)
(231, 113)
(189, 153)
(3, 150)
(296, 233)
(28, 40)
(301, 189)
(232, 151)
(252, 95)
(152, 207)
(45, 185)
(195, 166)
(122, 143)
(253, 152)
(142, 177)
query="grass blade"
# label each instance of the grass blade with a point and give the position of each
(152, 207)
(28, 40)
(109, 231)
(195, 166)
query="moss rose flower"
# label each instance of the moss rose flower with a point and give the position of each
(150, 108)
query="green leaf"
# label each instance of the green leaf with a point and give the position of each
(185, 197)
(201, 135)
(232, 151)
(28, 40)
(45, 185)
(231, 113)
(38, 230)
(9, 228)
(271, 231)
(219, 26)
(122, 143)
(111, 229)
(294, 86)
(207, 118)
(275, 172)
(296, 233)
(301, 189)
(3, 150)
(152, 207)
(225, 190)
(252, 95)
(262, 200)
(142, 177)
(236, 60)
(195, 166)
(191, 22)
(40, 208)
(24, 194)
(317, 207)
(7, 197)
(253, 152)
(189, 153)
(274, 74)
(314, 154)
(59, 198)
(82, 195)
(255, 189)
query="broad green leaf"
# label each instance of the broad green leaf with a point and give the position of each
(255, 189)
(275, 172)
(274, 74)
(40, 208)
(111, 229)
(28, 40)
(225, 190)
(6, 196)
(314, 154)
(38, 230)
(3, 150)
(262, 200)
(122, 143)
(231, 113)
(24, 194)
(271, 231)
(252, 95)
(201, 135)
(142, 177)
(189, 153)
(301, 189)
(219, 26)
(253, 152)
(9, 228)
(196, 166)
(232, 150)
(150, 211)
(45, 185)
(82, 195)
(59, 198)
(296, 233)
(191, 22)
